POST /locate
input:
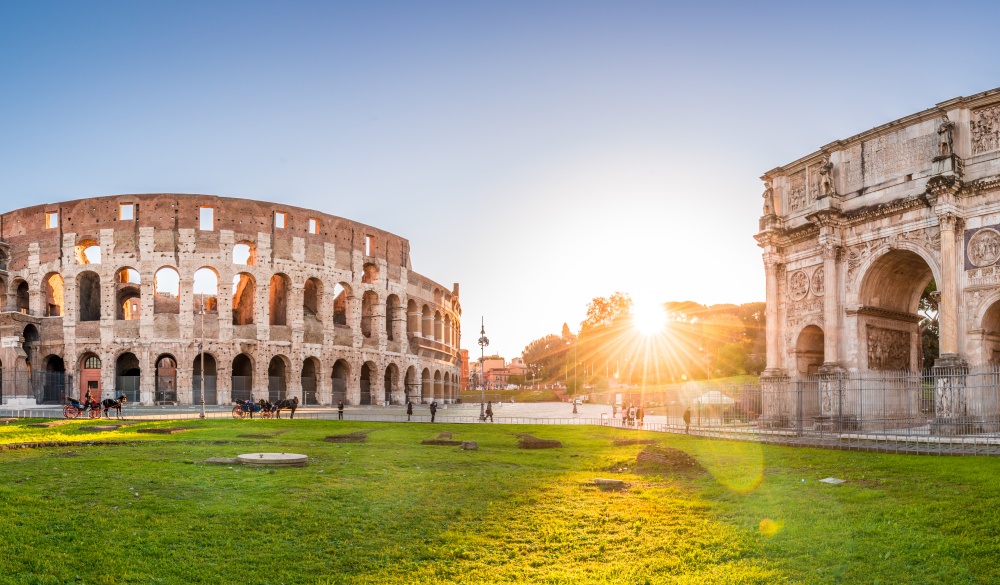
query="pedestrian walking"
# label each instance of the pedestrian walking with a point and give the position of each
(409, 410)
(340, 410)
(434, 409)
(489, 410)
(639, 415)
(687, 420)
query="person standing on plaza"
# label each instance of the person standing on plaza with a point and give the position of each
(434, 409)
(639, 415)
(687, 420)
(340, 410)
(409, 410)
(489, 410)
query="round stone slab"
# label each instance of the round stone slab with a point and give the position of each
(273, 459)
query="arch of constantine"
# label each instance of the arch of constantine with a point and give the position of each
(155, 296)
(852, 235)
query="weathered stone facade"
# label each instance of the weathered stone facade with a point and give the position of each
(117, 293)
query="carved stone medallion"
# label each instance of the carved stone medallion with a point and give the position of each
(798, 285)
(818, 285)
(984, 247)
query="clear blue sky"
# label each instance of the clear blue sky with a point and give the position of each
(539, 153)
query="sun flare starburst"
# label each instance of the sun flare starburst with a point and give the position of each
(649, 318)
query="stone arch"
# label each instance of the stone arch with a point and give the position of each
(3, 294)
(312, 317)
(390, 380)
(310, 380)
(206, 290)
(438, 327)
(426, 387)
(165, 389)
(54, 290)
(411, 386)
(412, 318)
(278, 289)
(367, 376)
(392, 308)
(427, 328)
(167, 291)
(244, 254)
(447, 330)
(370, 273)
(438, 386)
(340, 376)
(341, 295)
(90, 375)
(128, 374)
(277, 378)
(369, 304)
(888, 320)
(211, 379)
(88, 285)
(244, 290)
(809, 350)
(30, 345)
(242, 377)
(128, 294)
(53, 379)
(22, 297)
(88, 251)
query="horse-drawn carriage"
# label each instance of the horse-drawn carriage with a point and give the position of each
(264, 408)
(75, 408)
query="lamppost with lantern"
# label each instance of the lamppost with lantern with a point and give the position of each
(483, 342)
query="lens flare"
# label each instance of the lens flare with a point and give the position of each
(649, 318)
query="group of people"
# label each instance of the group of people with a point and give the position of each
(631, 416)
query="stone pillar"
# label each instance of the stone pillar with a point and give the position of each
(771, 313)
(831, 305)
(949, 289)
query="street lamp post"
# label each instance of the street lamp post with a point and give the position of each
(483, 342)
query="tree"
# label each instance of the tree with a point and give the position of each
(929, 309)
(545, 355)
(603, 311)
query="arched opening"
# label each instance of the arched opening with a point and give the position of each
(341, 374)
(427, 329)
(447, 330)
(23, 300)
(411, 386)
(391, 314)
(54, 295)
(90, 376)
(30, 348)
(310, 380)
(426, 390)
(244, 288)
(809, 351)
(242, 378)
(89, 286)
(412, 318)
(53, 380)
(88, 252)
(366, 384)
(438, 387)
(206, 290)
(278, 299)
(438, 326)
(167, 291)
(3, 295)
(312, 323)
(889, 320)
(210, 379)
(369, 302)
(389, 381)
(166, 380)
(245, 254)
(341, 293)
(127, 375)
(276, 378)
(369, 274)
(128, 297)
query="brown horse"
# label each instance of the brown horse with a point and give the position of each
(109, 403)
(286, 403)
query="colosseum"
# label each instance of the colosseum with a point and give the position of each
(120, 294)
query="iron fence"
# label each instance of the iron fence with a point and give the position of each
(242, 388)
(211, 389)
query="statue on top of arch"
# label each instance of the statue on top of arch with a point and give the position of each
(826, 185)
(768, 198)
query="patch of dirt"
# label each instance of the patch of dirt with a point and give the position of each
(48, 425)
(101, 428)
(444, 442)
(659, 459)
(270, 435)
(355, 437)
(444, 435)
(526, 441)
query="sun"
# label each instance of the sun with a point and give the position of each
(649, 318)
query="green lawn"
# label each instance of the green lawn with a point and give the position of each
(394, 511)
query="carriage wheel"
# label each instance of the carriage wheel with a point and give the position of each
(238, 412)
(95, 413)
(70, 411)
(265, 413)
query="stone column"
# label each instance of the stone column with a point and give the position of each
(948, 288)
(771, 313)
(831, 305)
